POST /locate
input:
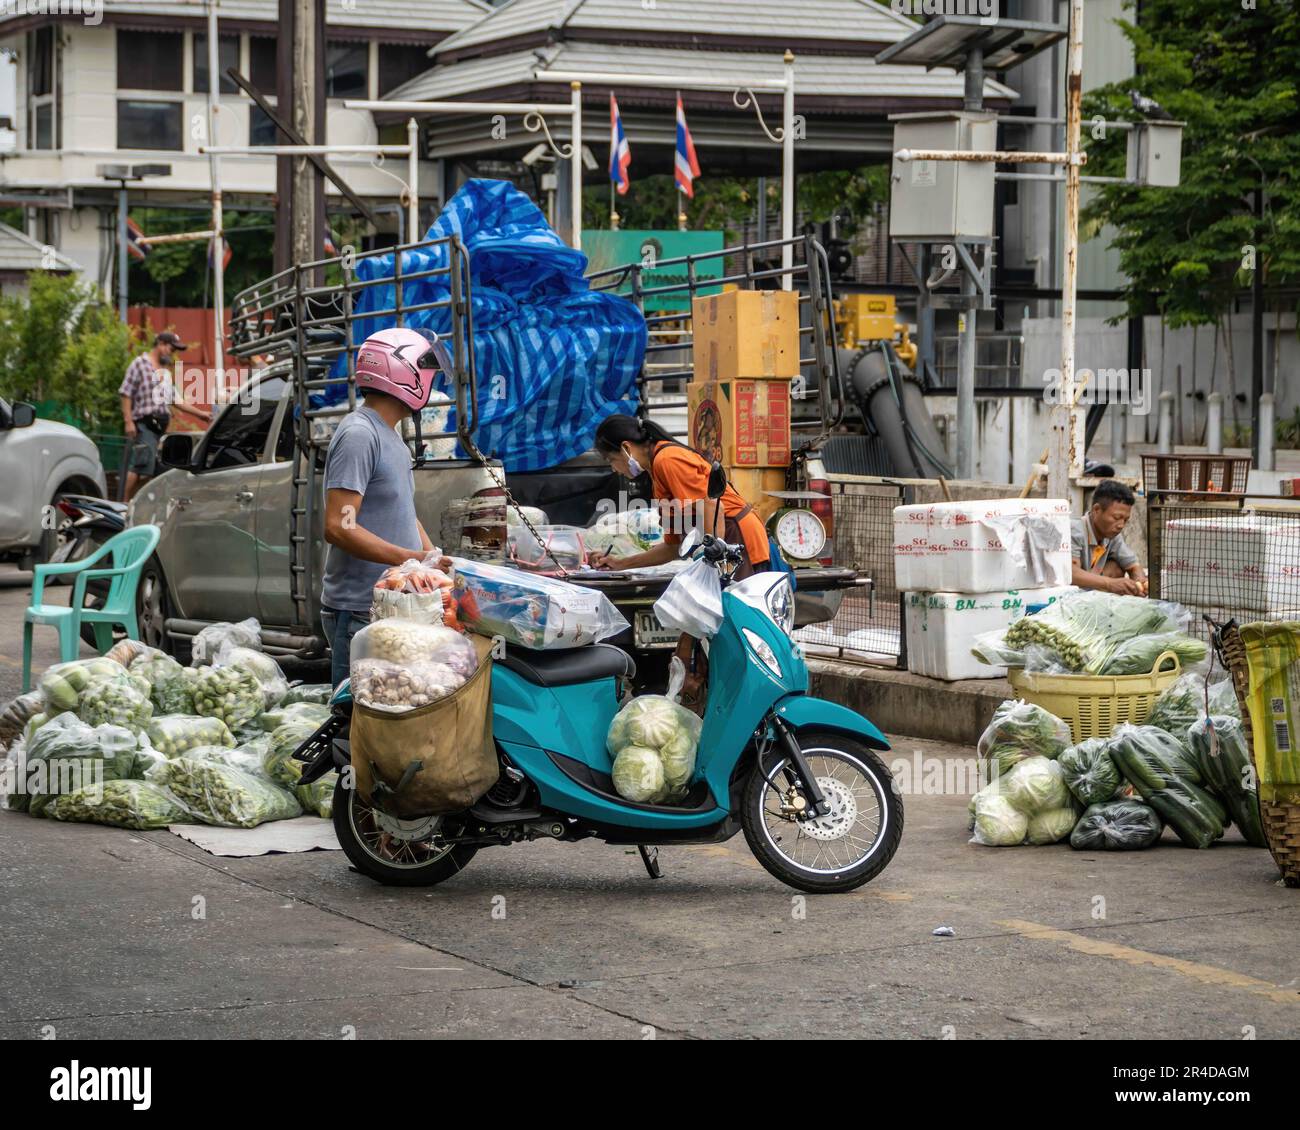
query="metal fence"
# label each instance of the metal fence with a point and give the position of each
(868, 626)
(1232, 558)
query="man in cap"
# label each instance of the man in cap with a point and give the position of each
(147, 395)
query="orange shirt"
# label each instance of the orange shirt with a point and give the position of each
(681, 475)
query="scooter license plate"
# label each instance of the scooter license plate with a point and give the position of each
(649, 633)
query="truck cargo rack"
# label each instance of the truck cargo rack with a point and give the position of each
(302, 321)
(748, 266)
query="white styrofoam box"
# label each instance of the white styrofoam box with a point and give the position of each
(941, 627)
(1242, 561)
(985, 546)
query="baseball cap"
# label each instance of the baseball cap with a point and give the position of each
(169, 338)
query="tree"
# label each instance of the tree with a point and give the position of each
(1229, 71)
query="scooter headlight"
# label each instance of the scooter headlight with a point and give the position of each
(780, 605)
(765, 653)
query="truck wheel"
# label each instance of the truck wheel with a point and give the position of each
(152, 608)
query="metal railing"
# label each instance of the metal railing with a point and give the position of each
(868, 628)
(1236, 558)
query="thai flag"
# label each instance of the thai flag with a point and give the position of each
(620, 155)
(330, 242)
(137, 247)
(688, 166)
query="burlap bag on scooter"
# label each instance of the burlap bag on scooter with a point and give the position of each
(451, 739)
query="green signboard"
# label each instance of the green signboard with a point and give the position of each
(607, 249)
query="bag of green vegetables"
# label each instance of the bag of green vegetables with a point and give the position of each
(123, 804)
(214, 793)
(1163, 771)
(173, 735)
(1019, 730)
(1219, 745)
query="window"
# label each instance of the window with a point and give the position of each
(261, 130)
(227, 56)
(148, 125)
(150, 60)
(262, 67)
(346, 70)
(239, 435)
(44, 75)
(399, 63)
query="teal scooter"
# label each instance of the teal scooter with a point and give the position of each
(800, 776)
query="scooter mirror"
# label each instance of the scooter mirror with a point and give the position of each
(689, 543)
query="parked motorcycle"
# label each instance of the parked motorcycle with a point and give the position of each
(800, 776)
(87, 523)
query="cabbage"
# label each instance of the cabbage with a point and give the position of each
(1052, 825)
(651, 721)
(1035, 785)
(997, 823)
(639, 774)
(678, 756)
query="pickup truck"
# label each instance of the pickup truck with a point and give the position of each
(239, 507)
(41, 461)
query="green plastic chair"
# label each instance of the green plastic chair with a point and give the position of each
(129, 550)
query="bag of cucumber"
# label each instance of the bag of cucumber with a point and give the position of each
(1184, 768)
(120, 739)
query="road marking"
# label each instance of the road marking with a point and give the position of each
(1194, 970)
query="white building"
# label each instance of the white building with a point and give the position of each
(131, 87)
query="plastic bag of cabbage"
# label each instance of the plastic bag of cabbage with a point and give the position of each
(1029, 804)
(653, 742)
(1020, 730)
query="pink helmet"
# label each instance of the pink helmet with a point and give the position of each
(402, 363)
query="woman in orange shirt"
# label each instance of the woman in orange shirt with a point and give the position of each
(680, 488)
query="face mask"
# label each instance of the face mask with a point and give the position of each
(633, 468)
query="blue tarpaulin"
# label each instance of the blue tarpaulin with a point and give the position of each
(553, 357)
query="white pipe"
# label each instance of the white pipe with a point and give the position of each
(305, 150)
(576, 165)
(218, 231)
(687, 81)
(1165, 424)
(1266, 432)
(1001, 156)
(1065, 454)
(457, 107)
(787, 175)
(1118, 433)
(413, 179)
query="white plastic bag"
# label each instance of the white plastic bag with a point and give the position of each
(399, 665)
(692, 603)
(212, 642)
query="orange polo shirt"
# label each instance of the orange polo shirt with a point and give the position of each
(680, 475)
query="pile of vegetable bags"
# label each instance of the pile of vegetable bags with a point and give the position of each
(1094, 633)
(653, 742)
(134, 739)
(1187, 767)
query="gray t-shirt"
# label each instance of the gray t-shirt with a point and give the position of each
(1085, 544)
(369, 457)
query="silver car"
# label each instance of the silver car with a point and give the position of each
(225, 510)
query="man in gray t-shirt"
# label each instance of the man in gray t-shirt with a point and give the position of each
(370, 517)
(1102, 558)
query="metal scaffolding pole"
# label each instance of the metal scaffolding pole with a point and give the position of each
(218, 231)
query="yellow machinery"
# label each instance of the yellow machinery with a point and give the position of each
(860, 318)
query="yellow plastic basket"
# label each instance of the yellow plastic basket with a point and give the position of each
(1094, 705)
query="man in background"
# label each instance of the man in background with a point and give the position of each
(1102, 560)
(147, 395)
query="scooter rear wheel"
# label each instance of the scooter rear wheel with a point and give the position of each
(397, 853)
(837, 852)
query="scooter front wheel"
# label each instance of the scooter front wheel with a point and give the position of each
(852, 843)
(398, 853)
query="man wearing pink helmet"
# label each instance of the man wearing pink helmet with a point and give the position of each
(370, 520)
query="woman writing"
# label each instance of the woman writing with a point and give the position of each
(680, 487)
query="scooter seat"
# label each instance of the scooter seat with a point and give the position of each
(566, 666)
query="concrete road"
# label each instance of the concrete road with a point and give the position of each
(125, 934)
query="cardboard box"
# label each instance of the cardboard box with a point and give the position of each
(752, 486)
(746, 333)
(1291, 488)
(742, 423)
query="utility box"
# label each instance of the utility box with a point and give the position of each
(870, 317)
(1155, 154)
(930, 201)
